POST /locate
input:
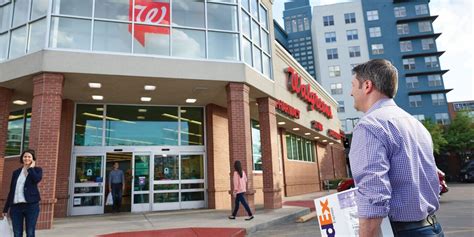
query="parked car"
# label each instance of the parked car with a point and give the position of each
(348, 183)
(467, 172)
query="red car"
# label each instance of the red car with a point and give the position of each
(348, 183)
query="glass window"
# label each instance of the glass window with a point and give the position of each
(427, 44)
(400, 11)
(434, 80)
(299, 148)
(403, 29)
(246, 24)
(341, 108)
(165, 197)
(141, 177)
(188, 13)
(254, 6)
(334, 71)
(70, 33)
(409, 64)
(412, 82)
(424, 26)
(406, 46)
(352, 35)
(246, 5)
(127, 125)
(255, 33)
(188, 43)
(89, 125)
(300, 25)
(20, 12)
(421, 9)
(350, 18)
(192, 196)
(328, 20)
(192, 126)
(88, 169)
(223, 46)
(145, 42)
(16, 122)
(375, 32)
(39, 8)
(372, 15)
(222, 17)
(442, 118)
(3, 46)
(112, 9)
(166, 167)
(431, 62)
(37, 35)
(263, 17)
(257, 59)
(419, 117)
(265, 45)
(5, 17)
(354, 51)
(377, 49)
(256, 146)
(73, 7)
(306, 24)
(330, 37)
(438, 99)
(415, 101)
(192, 167)
(336, 88)
(266, 65)
(332, 53)
(111, 36)
(18, 42)
(247, 52)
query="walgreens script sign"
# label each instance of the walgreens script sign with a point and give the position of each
(148, 12)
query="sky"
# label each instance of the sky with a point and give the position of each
(455, 23)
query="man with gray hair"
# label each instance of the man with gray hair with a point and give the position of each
(391, 158)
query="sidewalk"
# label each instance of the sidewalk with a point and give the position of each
(81, 226)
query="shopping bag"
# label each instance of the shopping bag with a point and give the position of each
(6, 228)
(110, 200)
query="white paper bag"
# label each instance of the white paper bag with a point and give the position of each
(110, 200)
(6, 228)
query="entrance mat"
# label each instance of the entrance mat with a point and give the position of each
(183, 232)
(303, 203)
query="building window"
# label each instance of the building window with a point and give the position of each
(406, 46)
(427, 44)
(415, 101)
(332, 53)
(306, 24)
(409, 63)
(442, 118)
(377, 49)
(400, 11)
(412, 82)
(354, 51)
(372, 15)
(340, 107)
(421, 9)
(434, 80)
(350, 18)
(424, 26)
(330, 37)
(256, 146)
(431, 62)
(328, 20)
(334, 71)
(18, 132)
(419, 117)
(336, 88)
(403, 29)
(438, 99)
(375, 32)
(352, 35)
(299, 148)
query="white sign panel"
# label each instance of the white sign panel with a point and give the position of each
(337, 215)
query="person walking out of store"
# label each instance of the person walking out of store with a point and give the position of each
(23, 198)
(391, 158)
(240, 187)
(117, 186)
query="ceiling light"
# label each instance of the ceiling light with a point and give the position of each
(331, 143)
(100, 109)
(140, 117)
(95, 85)
(324, 140)
(190, 101)
(150, 88)
(142, 110)
(97, 97)
(183, 111)
(307, 133)
(296, 129)
(145, 99)
(281, 123)
(20, 102)
(316, 138)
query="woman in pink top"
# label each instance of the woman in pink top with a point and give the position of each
(240, 187)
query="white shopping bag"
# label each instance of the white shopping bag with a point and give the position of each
(110, 200)
(6, 228)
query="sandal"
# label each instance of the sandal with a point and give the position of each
(250, 218)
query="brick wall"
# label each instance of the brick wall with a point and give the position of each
(5, 100)
(325, 161)
(339, 158)
(11, 164)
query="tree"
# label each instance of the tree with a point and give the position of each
(436, 131)
(460, 134)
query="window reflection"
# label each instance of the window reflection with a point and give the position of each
(188, 13)
(88, 128)
(157, 43)
(70, 33)
(223, 46)
(192, 167)
(39, 8)
(20, 12)
(188, 43)
(111, 36)
(222, 17)
(256, 146)
(37, 35)
(3, 46)
(5, 16)
(14, 134)
(166, 167)
(192, 126)
(73, 7)
(89, 169)
(18, 42)
(112, 9)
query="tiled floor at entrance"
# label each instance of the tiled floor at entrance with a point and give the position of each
(184, 232)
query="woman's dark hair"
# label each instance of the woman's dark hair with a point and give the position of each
(238, 167)
(31, 151)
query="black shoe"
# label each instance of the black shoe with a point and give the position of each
(250, 218)
(232, 217)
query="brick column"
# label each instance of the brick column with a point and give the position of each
(44, 138)
(268, 138)
(5, 100)
(240, 145)
(64, 158)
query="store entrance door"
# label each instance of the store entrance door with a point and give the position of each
(124, 159)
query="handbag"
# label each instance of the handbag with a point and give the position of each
(110, 200)
(6, 228)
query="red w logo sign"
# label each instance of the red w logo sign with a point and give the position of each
(149, 12)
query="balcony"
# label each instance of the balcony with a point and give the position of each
(429, 91)
(414, 55)
(417, 18)
(423, 36)
(423, 73)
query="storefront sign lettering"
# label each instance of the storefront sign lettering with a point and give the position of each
(304, 93)
(334, 134)
(316, 125)
(149, 12)
(288, 109)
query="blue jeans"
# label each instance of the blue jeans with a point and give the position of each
(240, 198)
(117, 195)
(27, 212)
(434, 230)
